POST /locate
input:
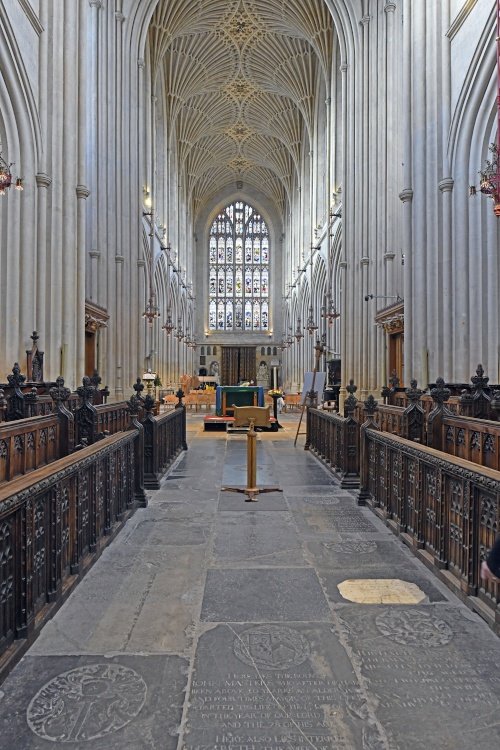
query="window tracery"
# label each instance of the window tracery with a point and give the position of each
(239, 270)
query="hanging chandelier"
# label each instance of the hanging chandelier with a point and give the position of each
(329, 311)
(311, 325)
(6, 178)
(151, 312)
(168, 326)
(180, 333)
(489, 182)
(298, 332)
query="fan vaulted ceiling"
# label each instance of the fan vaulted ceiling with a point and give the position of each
(239, 82)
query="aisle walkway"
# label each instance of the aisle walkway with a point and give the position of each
(212, 623)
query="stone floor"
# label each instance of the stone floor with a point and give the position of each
(211, 622)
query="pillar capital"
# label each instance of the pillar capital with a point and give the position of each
(406, 195)
(43, 180)
(446, 184)
(82, 191)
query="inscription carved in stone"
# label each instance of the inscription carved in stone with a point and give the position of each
(271, 647)
(321, 500)
(86, 703)
(352, 548)
(418, 628)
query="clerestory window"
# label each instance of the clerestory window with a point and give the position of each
(239, 270)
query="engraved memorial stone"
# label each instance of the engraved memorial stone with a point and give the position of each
(273, 687)
(86, 703)
(271, 647)
(321, 500)
(416, 628)
(352, 548)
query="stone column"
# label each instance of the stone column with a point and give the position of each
(73, 306)
(43, 182)
(119, 335)
(406, 195)
(446, 188)
(93, 79)
(390, 143)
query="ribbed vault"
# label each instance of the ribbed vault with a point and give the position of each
(239, 82)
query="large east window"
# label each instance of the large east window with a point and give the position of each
(239, 270)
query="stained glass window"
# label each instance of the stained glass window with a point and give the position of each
(239, 270)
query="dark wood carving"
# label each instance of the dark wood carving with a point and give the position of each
(15, 408)
(50, 528)
(86, 414)
(34, 361)
(414, 415)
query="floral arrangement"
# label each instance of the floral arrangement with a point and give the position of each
(275, 392)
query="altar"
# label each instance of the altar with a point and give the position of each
(228, 396)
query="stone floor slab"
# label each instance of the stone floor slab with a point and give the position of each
(276, 686)
(267, 501)
(93, 703)
(257, 539)
(136, 601)
(434, 672)
(419, 576)
(359, 554)
(324, 519)
(263, 595)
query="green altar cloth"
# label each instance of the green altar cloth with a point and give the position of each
(227, 396)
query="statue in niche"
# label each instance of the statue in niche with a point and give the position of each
(214, 368)
(263, 375)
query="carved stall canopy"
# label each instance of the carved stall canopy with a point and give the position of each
(96, 317)
(392, 320)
